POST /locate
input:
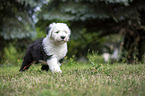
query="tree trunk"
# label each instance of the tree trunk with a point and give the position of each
(141, 47)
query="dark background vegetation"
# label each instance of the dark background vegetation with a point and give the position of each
(95, 25)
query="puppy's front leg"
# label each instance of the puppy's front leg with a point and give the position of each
(53, 65)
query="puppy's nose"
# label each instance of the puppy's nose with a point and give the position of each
(62, 37)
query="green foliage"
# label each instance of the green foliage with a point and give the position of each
(15, 29)
(16, 20)
(16, 23)
(12, 56)
(72, 11)
(82, 10)
(40, 33)
(10, 53)
(94, 57)
(84, 43)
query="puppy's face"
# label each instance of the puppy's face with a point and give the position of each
(59, 32)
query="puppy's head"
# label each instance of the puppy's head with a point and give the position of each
(58, 32)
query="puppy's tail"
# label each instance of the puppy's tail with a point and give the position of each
(26, 67)
(28, 60)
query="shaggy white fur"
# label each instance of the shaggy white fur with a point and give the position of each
(55, 44)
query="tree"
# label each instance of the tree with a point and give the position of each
(16, 22)
(104, 17)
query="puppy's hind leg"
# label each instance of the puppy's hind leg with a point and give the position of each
(45, 67)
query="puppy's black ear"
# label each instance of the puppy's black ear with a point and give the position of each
(47, 30)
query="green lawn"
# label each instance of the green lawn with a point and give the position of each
(77, 79)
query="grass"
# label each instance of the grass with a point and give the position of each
(77, 79)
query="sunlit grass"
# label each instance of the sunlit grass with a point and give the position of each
(77, 79)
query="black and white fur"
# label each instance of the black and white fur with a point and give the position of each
(49, 50)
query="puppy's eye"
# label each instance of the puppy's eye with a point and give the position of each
(65, 32)
(57, 32)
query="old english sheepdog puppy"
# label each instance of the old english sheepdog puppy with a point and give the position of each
(49, 51)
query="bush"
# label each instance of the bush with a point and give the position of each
(95, 59)
(12, 56)
(84, 43)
